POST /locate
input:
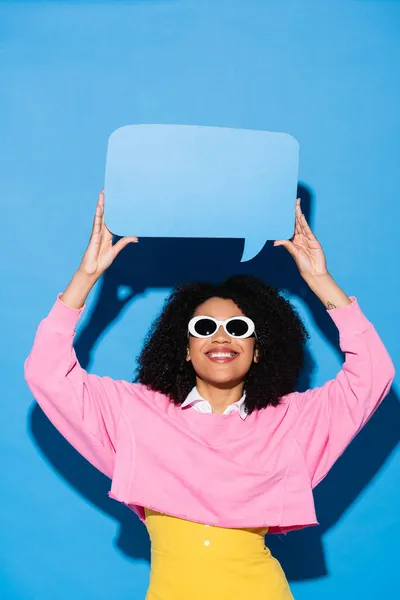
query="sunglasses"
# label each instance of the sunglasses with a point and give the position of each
(237, 327)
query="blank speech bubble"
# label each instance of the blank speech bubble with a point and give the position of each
(193, 181)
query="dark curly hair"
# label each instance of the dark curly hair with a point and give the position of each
(281, 336)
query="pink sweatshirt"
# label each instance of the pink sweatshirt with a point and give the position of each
(216, 469)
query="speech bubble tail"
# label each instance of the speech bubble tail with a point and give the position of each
(251, 248)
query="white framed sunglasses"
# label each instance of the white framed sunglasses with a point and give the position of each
(237, 327)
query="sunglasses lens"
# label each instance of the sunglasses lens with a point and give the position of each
(205, 327)
(237, 327)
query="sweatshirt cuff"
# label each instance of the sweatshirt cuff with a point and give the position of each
(62, 318)
(350, 318)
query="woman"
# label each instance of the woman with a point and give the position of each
(212, 446)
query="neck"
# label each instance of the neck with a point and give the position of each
(219, 396)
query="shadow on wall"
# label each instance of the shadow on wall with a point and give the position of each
(164, 263)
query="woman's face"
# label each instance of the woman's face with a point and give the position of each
(209, 367)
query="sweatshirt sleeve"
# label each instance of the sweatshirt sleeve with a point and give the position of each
(83, 407)
(330, 416)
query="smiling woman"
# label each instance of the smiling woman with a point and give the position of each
(237, 328)
(267, 341)
(209, 486)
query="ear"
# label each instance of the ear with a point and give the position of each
(256, 356)
(187, 354)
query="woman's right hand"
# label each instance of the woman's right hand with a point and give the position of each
(101, 252)
(98, 256)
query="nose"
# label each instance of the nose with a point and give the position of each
(221, 336)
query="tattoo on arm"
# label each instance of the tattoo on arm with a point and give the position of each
(329, 306)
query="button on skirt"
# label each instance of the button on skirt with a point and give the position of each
(193, 561)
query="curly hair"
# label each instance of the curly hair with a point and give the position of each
(281, 336)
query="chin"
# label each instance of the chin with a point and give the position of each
(223, 378)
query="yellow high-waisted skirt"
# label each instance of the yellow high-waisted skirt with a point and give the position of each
(192, 561)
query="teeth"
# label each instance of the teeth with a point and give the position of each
(221, 354)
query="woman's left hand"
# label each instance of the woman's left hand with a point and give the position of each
(305, 248)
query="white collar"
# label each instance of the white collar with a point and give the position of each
(202, 405)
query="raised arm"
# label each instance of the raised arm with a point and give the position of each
(329, 417)
(85, 408)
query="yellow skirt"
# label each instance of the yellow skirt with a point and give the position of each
(192, 561)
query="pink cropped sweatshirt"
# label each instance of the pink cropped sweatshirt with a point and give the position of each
(216, 469)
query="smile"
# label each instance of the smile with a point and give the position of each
(222, 357)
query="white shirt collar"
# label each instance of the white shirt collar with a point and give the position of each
(202, 405)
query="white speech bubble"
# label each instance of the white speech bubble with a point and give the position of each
(194, 181)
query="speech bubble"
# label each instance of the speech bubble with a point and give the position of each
(195, 181)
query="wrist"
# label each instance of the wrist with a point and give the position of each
(320, 279)
(78, 290)
(83, 280)
(328, 291)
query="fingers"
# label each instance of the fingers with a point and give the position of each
(303, 226)
(299, 215)
(297, 227)
(120, 245)
(290, 247)
(98, 218)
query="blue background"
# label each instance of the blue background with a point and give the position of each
(71, 73)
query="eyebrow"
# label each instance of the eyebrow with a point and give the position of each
(218, 318)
